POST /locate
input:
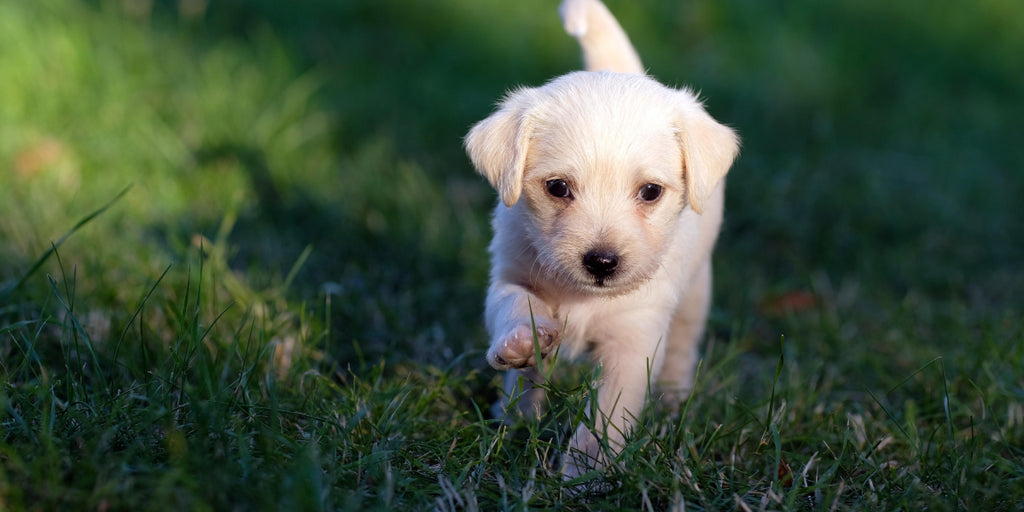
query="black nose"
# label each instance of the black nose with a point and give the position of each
(600, 264)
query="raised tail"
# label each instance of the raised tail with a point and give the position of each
(604, 43)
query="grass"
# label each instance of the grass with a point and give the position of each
(283, 309)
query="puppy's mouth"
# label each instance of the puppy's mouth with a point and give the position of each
(609, 286)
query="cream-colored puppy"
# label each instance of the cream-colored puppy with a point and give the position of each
(611, 189)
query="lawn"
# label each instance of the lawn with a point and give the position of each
(243, 258)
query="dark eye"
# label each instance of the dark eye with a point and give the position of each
(650, 192)
(558, 188)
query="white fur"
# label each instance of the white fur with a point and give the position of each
(606, 134)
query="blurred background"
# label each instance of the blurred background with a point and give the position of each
(312, 149)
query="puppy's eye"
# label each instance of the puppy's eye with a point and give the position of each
(558, 188)
(650, 192)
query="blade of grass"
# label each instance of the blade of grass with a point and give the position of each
(138, 311)
(78, 332)
(5, 294)
(771, 400)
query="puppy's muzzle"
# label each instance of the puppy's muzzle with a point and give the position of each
(600, 264)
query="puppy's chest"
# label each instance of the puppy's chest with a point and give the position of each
(586, 327)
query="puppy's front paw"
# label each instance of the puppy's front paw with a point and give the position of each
(515, 348)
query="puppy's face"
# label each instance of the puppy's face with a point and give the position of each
(600, 166)
(603, 188)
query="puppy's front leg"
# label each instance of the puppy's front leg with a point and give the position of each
(620, 399)
(514, 317)
(512, 313)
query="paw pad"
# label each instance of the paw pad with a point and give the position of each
(516, 349)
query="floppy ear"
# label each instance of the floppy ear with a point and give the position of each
(498, 145)
(708, 148)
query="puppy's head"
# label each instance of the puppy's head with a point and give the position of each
(601, 165)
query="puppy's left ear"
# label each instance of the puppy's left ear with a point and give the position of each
(708, 147)
(498, 145)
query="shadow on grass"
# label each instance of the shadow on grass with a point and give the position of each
(398, 280)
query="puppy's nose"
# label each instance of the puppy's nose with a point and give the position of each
(600, 264)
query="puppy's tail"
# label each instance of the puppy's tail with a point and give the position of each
(605, 45)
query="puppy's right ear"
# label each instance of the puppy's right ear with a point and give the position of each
(498, 145)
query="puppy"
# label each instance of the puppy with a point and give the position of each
(611, 196)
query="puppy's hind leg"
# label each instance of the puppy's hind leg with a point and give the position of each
(688, 325)
(521, 397)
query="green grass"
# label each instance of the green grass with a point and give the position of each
(283, 309)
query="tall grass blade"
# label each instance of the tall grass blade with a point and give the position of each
(5, 294)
